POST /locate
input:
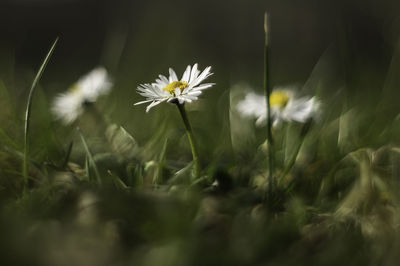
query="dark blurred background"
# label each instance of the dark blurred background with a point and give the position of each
(137, 40)
(130, 36)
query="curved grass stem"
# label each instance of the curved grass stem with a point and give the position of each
(28, 115)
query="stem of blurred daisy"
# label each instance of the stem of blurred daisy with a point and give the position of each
(99, 117)
(267, 88)
(304, 130)
(192, 140)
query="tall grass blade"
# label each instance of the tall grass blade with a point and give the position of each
(28, 113)
(267, 88)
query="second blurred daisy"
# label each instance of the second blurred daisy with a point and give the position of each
(285, 106)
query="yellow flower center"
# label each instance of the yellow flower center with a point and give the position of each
(75, 89)
(175, 85)
(278, 99)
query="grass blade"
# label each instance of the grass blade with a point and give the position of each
(159, 176)
(28, 113)
(91, 161)
(7, 139)
(117, 181)
(66, 160)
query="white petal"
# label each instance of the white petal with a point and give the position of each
(203, 86)
(162, 83)
(194, 93)
(191, 97)
(95, 83)
(181, 100)
(164, 79)
(253, 105)
(146, 101)
(170, 99)
(172, 76)
(299, 110)
(68, 107)
(186, 74)
(261, 120)
(205, 74)
(153, 104)
(195, 73)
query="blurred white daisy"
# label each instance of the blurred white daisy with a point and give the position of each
(187, 89)
(285, 106)
(68, 106)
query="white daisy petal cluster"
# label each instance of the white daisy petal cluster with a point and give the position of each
(187, 89)
(285, 106)
(68, 106)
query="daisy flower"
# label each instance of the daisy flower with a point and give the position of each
(68, 106)
(285, 106)
(171, 89)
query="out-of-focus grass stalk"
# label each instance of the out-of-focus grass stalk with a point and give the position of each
(117, 181)
(90, 158)
(159, 177)
(28, 114)
(192, 141)
(293, 158)
(8, 139)
(267, 88)
(66, 160)
(100, 118)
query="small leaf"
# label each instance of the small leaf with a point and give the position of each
(121, 141)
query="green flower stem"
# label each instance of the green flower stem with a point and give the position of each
(99, 117)
(267, 88)
(292, 160)
(192, 141)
